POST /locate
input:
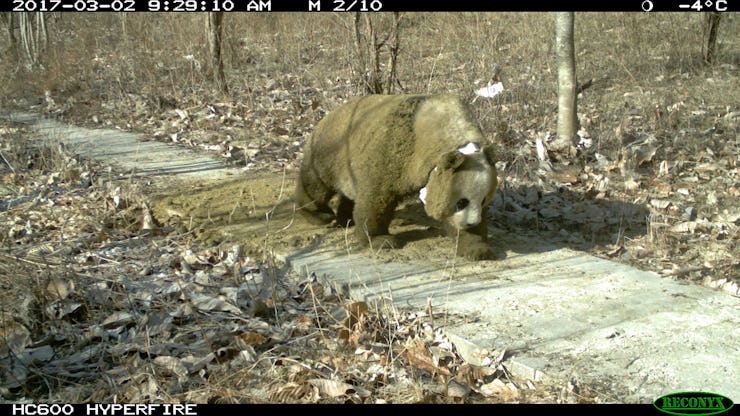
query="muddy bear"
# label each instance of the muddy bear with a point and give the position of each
(366, 157)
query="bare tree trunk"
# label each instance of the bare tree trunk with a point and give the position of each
(215, 31)
(27, 38)
(566, 61)
(361, 58)
(33, 36)
(42, 36)
(124, 30)
(373, 83)
(711, 29)
(23, 32)
(7, 19)
(395, 46)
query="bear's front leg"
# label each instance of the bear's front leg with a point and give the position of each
(312, 197)
(372, 219)
(472, 243)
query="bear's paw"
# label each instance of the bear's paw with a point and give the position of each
(384, 242)
(477, 251)
(317, 217)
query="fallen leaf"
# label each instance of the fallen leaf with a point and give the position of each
(251, 338)
(335, 388)
(631, 185)
(684, 227)
(457, 390)
(195, 364)
(173, 366)
(210, 304)
(63, 309)
(419, 356)
(495, 387)
(16, 367)
(470, 352)
(357, 311)
(58, 289)
(291, 392)
(118, 319)
(14, 337)
(660, 203)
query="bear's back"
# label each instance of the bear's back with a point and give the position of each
(393, 140)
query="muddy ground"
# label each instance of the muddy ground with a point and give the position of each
(259, 213)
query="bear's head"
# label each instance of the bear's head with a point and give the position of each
(461, 184)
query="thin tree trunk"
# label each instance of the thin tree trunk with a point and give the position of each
(566, 61)
(361, 58)
(374, 83)
(215, 31)
(42, 36)
(27, 39)
(395, 46)
(711, 29)
(124, 30)
(7, 19)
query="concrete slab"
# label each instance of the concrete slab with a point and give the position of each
(563, 314)
(628, 334)
(128, 151)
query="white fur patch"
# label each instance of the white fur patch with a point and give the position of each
(473, 186)
(469, 148)
(423, 195)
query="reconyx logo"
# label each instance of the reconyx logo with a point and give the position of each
(693, 403)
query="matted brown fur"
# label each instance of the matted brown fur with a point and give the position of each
(376, 151)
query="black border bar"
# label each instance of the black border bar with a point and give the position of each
(640, 6)
(357, 410)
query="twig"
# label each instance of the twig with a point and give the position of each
(21, 259)
(684, 270)
(580, 88)
(6, 162)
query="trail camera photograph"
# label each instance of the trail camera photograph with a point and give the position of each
(348, 207)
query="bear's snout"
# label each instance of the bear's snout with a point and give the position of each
(465, 219)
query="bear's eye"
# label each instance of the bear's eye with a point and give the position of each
(461, 204)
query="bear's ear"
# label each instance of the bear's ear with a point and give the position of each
(490, 152)
(451, 160)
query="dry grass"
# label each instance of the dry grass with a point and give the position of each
(106, 57)
(440, 52)
(162, 57)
